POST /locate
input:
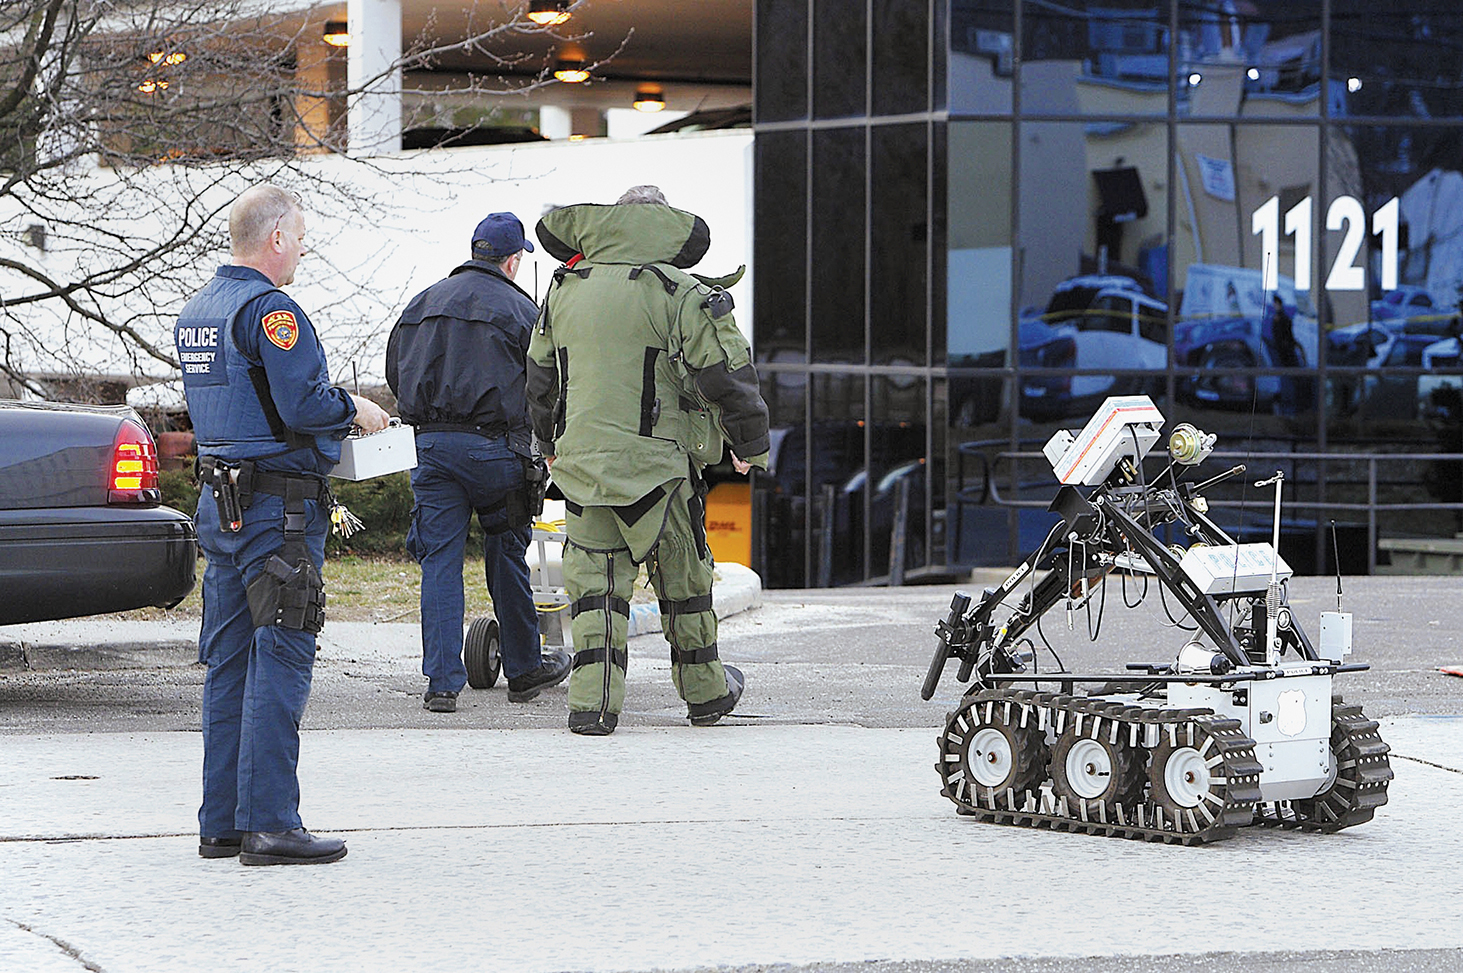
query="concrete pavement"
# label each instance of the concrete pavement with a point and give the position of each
(662, 848)
(806, 829)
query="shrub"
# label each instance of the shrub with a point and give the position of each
(383, 505)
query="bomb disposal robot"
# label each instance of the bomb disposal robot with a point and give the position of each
(1241, 728)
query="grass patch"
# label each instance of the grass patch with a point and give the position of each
(371, 589)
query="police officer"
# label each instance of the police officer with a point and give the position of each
(636, 372)
(268, 425)
(455, 362)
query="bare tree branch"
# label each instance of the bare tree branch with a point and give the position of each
(127, 127)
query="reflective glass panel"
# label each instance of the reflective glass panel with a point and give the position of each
(837, 475)
(780, 249)
(781, 507)
(901, 56)
(1397, 59)
(978, 236)
(1398, 252)
(980, 67)
(1243, 265)
(839, 236)
(782, 60)
(1095, 57)
(1402, 186)
(898, 485)
(898, 244)
(1092, 293)
(1249, 58)
(840, 58)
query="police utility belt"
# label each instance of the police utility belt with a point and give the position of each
(289, 592)
(523, 505)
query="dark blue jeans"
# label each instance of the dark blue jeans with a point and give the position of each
(458, 473)
(258, 678)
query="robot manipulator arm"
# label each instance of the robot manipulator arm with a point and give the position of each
(984, 650)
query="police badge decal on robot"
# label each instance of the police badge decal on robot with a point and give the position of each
(281, 328)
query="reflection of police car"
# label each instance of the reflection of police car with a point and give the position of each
(1096, 321)
(1372, 344)
(1404, 302)
(1444, 356)
(1226, 326)
(1221, 348)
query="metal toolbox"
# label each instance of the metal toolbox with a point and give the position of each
(389, 451)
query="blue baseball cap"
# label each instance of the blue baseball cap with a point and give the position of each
(499, 235)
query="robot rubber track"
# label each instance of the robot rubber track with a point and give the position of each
(1183, 776)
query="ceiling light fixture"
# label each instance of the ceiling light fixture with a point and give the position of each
(548, 13)
(571, 71)
(649, 98)
(337, 33)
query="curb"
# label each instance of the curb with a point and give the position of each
(99, 645)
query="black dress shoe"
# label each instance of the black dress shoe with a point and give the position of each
(297, 847)
(218, 847)
(593, 723)
(553, 670)
(440, 702)
(705, 714)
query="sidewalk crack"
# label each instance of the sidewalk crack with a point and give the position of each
(60, 944)
(1419, 760)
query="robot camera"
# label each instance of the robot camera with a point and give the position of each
(1124, 428)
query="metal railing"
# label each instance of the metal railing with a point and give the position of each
(987, 491)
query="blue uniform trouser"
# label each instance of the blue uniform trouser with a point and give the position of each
(258, 678)
(458, 473)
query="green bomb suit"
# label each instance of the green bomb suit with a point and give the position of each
(637, 378)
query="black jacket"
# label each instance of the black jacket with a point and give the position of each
(456, 355)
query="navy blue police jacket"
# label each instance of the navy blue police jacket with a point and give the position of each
(456, 355)
(241, 322)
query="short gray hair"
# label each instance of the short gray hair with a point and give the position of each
(256, 213)
(643, 194)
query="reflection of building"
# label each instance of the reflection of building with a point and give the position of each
(934, 182)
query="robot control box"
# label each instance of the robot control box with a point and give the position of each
(1231, 568)
(1125, 426)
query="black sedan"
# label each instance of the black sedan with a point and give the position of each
(82, 526)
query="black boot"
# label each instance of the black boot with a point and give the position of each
(296, 847)
(553, 670)
(705, 714)
(593, 723)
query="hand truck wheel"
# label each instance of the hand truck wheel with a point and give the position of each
(480, 653)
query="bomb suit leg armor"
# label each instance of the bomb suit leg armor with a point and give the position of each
(599, 578)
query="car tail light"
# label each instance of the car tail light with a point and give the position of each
(1061, 353)
(132, 477)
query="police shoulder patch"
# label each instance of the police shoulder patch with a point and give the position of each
(281, 328)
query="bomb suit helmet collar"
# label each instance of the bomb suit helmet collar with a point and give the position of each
(625, 234)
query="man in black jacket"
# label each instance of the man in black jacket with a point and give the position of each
(455, 361)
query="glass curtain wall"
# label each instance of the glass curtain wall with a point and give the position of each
(1000, 212)
(846, 243)
(1239, 209)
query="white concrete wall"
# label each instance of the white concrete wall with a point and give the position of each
(379, 232)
